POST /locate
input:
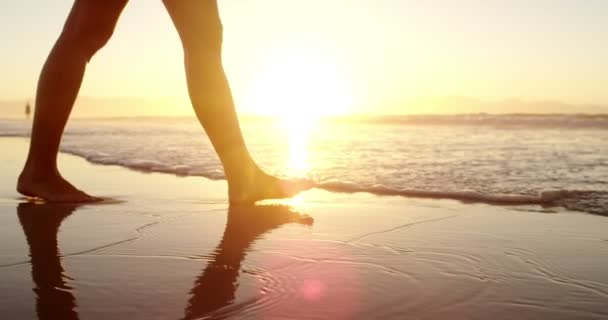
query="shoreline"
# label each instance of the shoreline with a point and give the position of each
(172, 248)
(547, 200)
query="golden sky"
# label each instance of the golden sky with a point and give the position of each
(340, 56)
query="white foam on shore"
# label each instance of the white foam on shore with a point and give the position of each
(578, 200)
(545, 197)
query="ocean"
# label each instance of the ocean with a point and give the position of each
(560, 161)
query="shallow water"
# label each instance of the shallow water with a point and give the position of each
(466, 158)
(355, 261)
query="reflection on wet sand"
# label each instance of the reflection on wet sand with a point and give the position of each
(40, 223)
(214, 289)
(216, 286)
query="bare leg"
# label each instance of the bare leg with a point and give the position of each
(87, 29)
(200, 29)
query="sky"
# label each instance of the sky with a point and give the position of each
(344, 56)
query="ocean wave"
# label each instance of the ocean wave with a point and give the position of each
(590, 201)
(144, 165)
(543, 198)
(465, 163)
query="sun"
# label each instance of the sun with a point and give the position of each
(298, 87)
(299, 84)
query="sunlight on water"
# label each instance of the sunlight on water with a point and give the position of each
(298, 129)
(297, 164)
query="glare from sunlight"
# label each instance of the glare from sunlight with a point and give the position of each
(299, 84)
(298, 87)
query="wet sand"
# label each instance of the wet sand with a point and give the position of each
(169, 247)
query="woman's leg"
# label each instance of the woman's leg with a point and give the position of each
(87, 29)
(200, 30)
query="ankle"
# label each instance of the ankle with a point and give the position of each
(243, 173)
(37, 173)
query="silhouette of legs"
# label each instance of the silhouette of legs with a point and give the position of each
(216, 286)
(87, 29)
(200, 29)
(41, 224)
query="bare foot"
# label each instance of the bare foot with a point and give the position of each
(51, 188)
(264, 186)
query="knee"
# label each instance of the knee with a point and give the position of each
(88, 37)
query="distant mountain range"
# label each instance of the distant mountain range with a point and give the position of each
(87, 107)
(459, 105)
(133, 107)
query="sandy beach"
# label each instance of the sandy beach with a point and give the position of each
(167, 247)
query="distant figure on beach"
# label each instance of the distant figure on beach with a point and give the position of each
(88, 28)
(28, 110)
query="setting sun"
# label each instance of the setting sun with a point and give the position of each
(298, 87)
(301, 85)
